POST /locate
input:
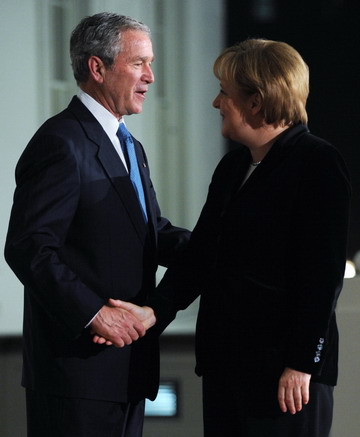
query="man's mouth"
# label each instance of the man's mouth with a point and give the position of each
(141, 93)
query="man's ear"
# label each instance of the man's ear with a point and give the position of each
(96, 68)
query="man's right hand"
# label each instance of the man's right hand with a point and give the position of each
(117, 326)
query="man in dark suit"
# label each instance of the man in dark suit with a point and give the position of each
(83, 231)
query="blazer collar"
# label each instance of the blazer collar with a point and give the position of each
(278, 152)
(112, 165)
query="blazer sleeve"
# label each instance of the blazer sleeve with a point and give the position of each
(318, 254)
(45, 201)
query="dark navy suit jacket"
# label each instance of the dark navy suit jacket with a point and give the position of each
(76, 238)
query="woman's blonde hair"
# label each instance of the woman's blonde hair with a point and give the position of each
(275, 71)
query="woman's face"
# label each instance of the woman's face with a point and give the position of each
(235, 110)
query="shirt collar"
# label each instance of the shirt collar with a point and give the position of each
(108, 121)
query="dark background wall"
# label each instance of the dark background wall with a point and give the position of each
(327, 35)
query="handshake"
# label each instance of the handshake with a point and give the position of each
(119, 323)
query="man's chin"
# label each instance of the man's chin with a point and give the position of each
(135, 110)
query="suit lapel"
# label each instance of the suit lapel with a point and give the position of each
(145, 178)
(112, 165)
(120, 179)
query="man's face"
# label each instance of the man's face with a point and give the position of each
(126, 81)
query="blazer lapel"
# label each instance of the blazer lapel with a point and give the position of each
(274, 158)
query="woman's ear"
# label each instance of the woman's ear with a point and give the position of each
(255, 103)
(96, 68)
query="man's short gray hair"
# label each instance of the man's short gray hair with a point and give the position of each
(99, 35)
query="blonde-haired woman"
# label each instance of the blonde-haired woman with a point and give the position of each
(267, 255)
(280, 206)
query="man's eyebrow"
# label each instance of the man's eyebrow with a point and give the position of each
(142, 58)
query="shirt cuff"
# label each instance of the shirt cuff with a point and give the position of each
(86, 326)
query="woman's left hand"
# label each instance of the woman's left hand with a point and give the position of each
(293, 390)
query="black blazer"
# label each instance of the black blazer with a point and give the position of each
(76, 238)
(268, 260)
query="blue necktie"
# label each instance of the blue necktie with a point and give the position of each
(128, 144)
